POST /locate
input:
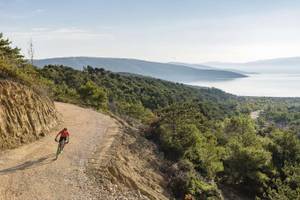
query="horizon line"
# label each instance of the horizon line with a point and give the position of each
(187, 62)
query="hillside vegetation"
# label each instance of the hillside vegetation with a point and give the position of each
(206, 135)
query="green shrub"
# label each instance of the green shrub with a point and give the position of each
(93, 95)
(248, 162)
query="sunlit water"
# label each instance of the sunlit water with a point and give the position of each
(271, 85)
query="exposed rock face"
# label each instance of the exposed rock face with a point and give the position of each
(131, 168)
(24, 115)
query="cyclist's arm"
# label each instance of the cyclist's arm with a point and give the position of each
(57, 135)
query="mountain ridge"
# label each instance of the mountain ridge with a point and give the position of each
(273, 65)
(166, 71)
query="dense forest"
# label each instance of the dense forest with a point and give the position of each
(207, 135)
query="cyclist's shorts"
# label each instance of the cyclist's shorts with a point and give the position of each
(62, 138)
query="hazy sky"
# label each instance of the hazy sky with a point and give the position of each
(161, 30)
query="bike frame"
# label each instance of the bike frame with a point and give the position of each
(60, 147)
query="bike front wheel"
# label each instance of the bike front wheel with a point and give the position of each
(59, 149)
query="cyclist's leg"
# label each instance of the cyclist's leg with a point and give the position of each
(63, 141)
(59, 147)
(58, 150)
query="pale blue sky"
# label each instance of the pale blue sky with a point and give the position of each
(161, 30)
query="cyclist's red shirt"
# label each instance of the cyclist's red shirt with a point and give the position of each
(63, 134)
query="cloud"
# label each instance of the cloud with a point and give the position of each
(71, 33)
(50, 42)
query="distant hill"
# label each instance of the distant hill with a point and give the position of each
(166, 71)
(198, 66)
(277, 65)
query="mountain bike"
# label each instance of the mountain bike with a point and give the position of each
(60, 147)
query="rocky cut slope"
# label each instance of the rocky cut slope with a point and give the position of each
(24, 115)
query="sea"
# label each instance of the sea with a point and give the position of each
(267, 85)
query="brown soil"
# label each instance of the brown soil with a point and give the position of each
(131, 169)
(30, 171)
(25, 116)
(105, 159)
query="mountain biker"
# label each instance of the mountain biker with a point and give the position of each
(64, 136)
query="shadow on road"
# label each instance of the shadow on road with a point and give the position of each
(29, 164)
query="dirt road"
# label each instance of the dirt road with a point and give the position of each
(255, 114)
(30, 172)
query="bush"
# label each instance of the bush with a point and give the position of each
(248, 162)
(285, 147)
(93, 95)
(186, 181)
(136, 111)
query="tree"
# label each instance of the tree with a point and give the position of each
(94, 95)
(9, 53)
(285, 148)
(248, 161)
(282, 191)
(239, 125)
(135, 110)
